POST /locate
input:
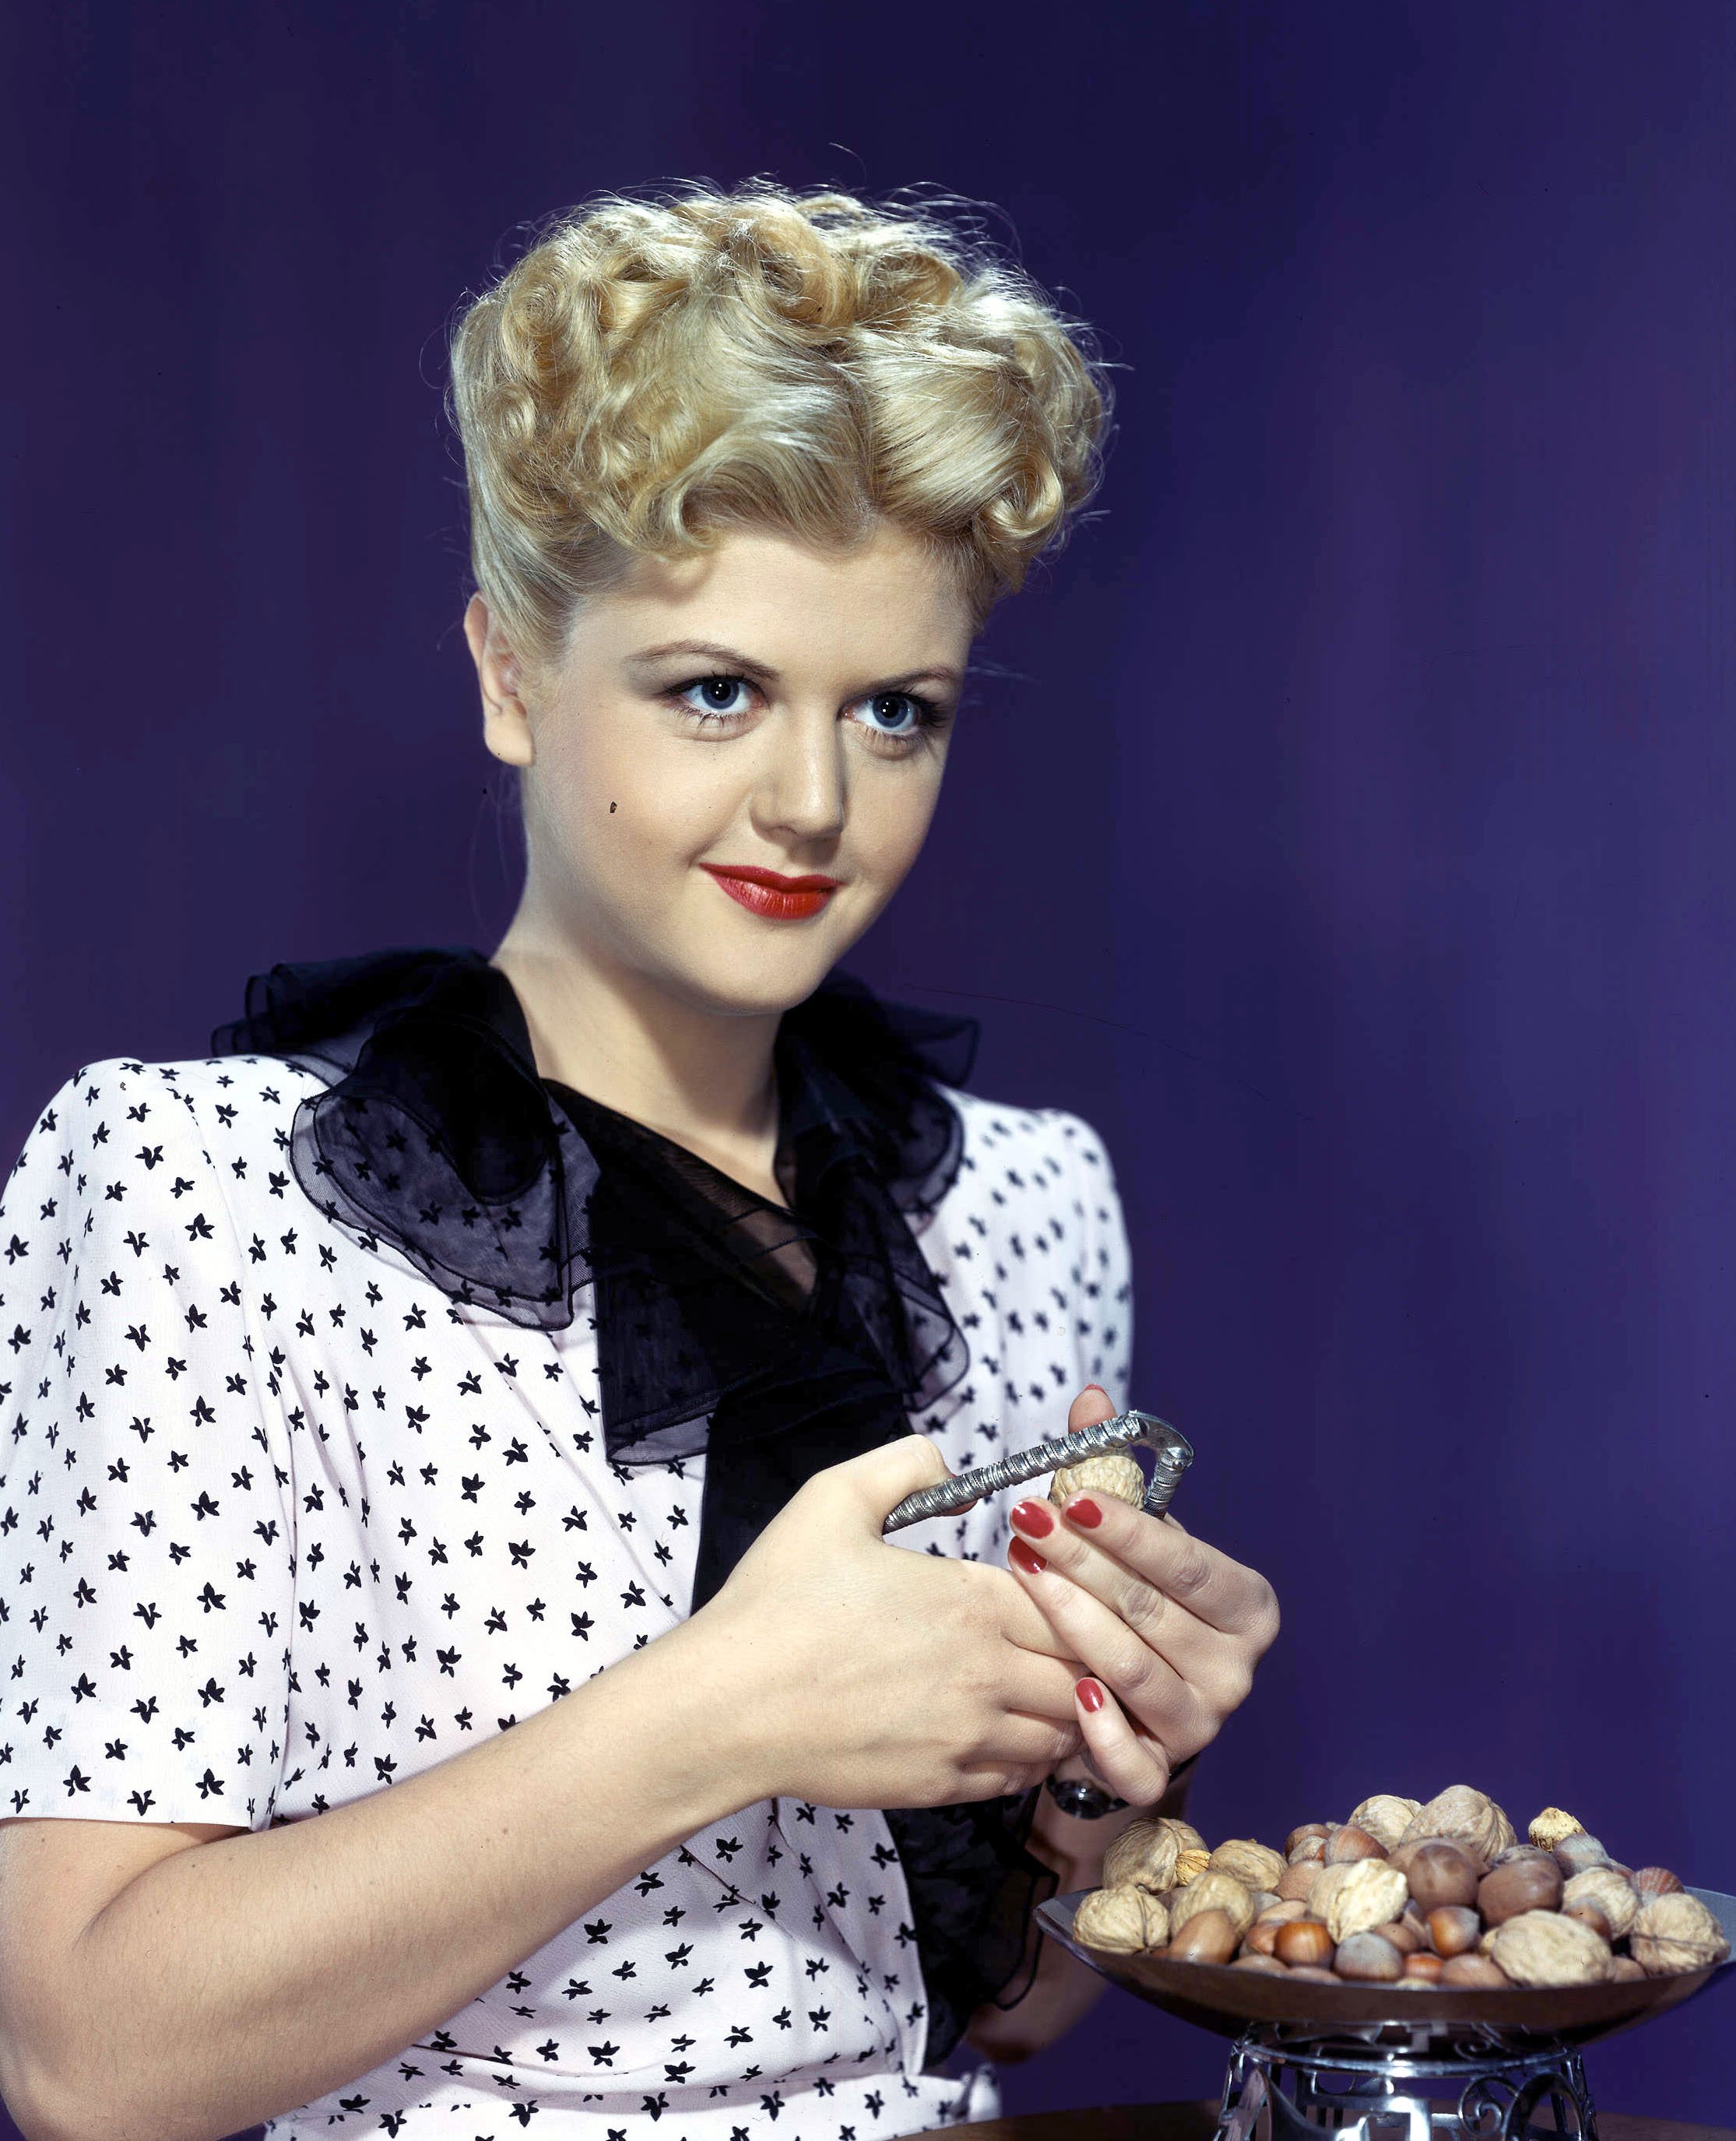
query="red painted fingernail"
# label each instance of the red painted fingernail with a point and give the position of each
(1090, 1694)
(1025, 1558)
(1036, 1518)
(1083, 1510)
(1096, 1387)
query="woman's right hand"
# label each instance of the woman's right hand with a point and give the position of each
(869, 1674)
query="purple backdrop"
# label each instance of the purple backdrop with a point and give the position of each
(1354, 796)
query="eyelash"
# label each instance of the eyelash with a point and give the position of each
(930, 717)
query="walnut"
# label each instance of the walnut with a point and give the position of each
(1676, 1933)
(1541, 1947)
(1372, 1893)
(1190, 1864)
(1144, 1853)
(1463, 1816)
(1254, 1865)
(1613, 1896)
(1187, 1836)
(1211, 1891)
(1385, 1819)
(1113, 1473)
(1123, 1918)
(1548, 1827)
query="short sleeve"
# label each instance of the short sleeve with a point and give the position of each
(1102, 1322)
(147, 1585)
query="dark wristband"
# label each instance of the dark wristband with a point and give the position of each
(1089, 1802)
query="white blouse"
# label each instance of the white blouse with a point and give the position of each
(281, 1525)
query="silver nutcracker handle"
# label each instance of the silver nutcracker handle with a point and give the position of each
(1172, 1454)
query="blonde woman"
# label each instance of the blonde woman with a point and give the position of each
(454, 1680)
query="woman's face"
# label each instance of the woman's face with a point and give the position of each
(762, 706)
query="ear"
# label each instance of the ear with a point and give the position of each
(506, 722)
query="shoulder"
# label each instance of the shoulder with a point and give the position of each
(1048, 1135)
(123, 1116)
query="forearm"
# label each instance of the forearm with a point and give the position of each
(243, 1977)
(1064, 1989)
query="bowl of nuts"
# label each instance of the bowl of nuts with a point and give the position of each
(1428, 1916)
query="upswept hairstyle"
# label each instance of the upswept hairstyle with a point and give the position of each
(653, 372)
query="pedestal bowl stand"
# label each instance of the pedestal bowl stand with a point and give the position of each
(1372, 2063)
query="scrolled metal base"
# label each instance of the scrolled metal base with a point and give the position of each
(1283, 2088)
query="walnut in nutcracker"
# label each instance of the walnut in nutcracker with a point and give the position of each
(1113, 1472)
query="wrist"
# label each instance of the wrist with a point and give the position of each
(722, 1756)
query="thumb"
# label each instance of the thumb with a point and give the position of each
(878, 1480)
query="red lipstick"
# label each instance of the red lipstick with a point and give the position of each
(766, 891)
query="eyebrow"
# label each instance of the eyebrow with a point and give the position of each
(733, 659)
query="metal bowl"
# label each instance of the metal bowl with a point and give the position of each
(1228, 2001)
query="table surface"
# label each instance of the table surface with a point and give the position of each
(1197, 2122)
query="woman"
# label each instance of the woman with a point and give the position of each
(441, 1520)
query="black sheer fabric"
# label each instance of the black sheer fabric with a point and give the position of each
(777, 1339)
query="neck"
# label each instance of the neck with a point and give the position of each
(703, 1080)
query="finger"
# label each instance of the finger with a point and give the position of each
(1212, 1588)
(878, 1479)
(1040, 1686)
(1134, 1764)
(1183, 1712)
(1218, 1663)
(1043, 1740)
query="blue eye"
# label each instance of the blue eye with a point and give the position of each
(717, 696)
(904, 701)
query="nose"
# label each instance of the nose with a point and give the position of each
(800, 794)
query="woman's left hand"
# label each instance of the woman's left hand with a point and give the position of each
(1166, 1626)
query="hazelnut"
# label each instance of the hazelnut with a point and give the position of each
(1207, 1936)
(1468, 1971)
(1654, 1881)
(1322, 1829)
(1574, 1853)
(1254, 1865)
(1366, 1958)
(1123, 1920)
(1548, 1827)
(1522, 1884)
(1439, 1872)
(1214, 1891)
(1676, 1931)
(1145, 1853)
(1371, 1894)
(1404, 1936)
(1114, 1473)
(1454, 1929)
(1347, 1845)
(1284, 1913)
(1295, 1882)
(1541, 1947)
(1515, 1852)
(1262, 1963)
(1308, 1850)
(1465, 1816)
(1423, 1969)
(1624, 1970)
(1385, 1817)
(1190, 1864)
(1305, 1941)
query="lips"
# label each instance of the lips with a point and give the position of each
(778, 898)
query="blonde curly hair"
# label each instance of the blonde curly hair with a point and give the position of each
(653, 372)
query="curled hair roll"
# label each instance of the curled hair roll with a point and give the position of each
(653, 372)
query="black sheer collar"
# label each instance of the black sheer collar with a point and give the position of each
(511, 1192)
